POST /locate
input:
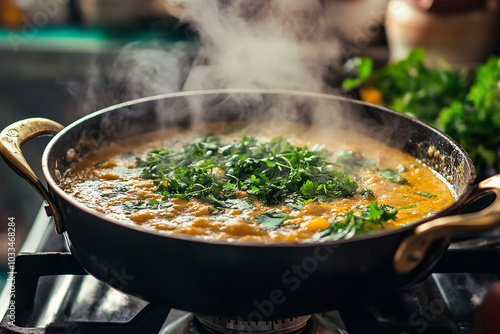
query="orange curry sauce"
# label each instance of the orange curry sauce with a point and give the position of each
(108, 178)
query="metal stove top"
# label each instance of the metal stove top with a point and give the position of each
(68, 301)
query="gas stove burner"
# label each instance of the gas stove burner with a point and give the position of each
(283, 326)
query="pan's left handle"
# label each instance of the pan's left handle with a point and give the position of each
(11, 140)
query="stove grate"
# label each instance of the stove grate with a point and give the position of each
(30, 267)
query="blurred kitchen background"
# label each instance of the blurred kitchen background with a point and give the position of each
(49, 50)
(61, 59)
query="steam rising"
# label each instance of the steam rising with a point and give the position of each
(140, 69)
(271, 44)
(258, 44)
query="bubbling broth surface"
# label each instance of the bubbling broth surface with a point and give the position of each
(393, 189)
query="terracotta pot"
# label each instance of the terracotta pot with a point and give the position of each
(462, 33)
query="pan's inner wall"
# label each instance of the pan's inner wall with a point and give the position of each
(392, 128)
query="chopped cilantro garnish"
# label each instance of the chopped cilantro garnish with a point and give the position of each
(153, 204)
(212, 170)
(273, 172)
(372, 217)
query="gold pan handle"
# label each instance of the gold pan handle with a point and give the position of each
(11, 140)
(436, 234)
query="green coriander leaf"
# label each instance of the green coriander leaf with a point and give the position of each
(425, 194)
(294, 203)
(391, 175)
(132, 206)
(165, 204)
(272, 220)
(406, 207)
(120, 188)
(152, 204)
(362, 67)
(366, 192)
(240, 204)
(308, 188)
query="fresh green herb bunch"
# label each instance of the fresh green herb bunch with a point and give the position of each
(411, 87)
(212, 169)
(465, 107)
(475, 120)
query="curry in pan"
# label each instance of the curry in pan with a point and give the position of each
(252, 183)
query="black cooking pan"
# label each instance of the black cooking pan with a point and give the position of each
(251, 281)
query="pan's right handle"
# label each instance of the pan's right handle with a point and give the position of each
(11, 140)
(431, 239)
